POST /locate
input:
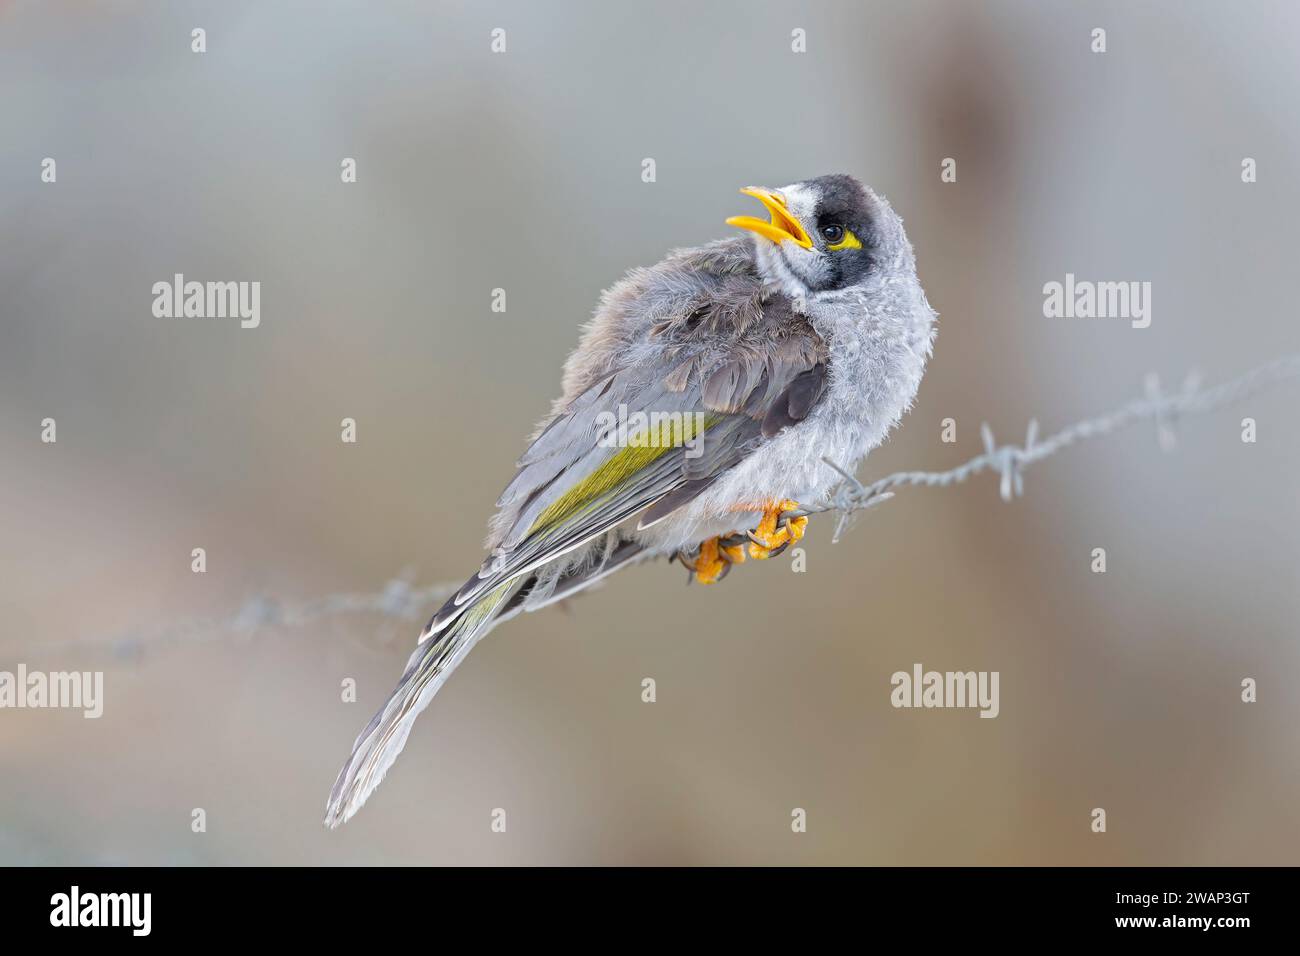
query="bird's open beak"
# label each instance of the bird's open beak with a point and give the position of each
(783, 225)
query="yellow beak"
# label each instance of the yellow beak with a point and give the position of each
(783, 225)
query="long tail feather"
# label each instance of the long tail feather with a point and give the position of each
(382, 740)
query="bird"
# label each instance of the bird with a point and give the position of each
(696, 419)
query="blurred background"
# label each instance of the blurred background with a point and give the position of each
(522, 171)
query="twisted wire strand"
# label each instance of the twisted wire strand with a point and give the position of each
(1010, 461)
(399, 600)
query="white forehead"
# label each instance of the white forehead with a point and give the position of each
(800, 199)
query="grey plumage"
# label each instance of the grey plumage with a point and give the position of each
(739, 366)
(788, 351)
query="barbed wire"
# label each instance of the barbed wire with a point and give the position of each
(1010, 461)
(399, 600)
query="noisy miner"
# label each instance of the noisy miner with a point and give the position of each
(696, 414)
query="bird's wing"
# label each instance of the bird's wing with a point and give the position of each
(731, 392)
(578, 479)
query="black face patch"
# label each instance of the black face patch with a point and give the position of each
(843, 201)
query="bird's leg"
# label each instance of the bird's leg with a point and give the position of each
(708, 565)
(732, 547)
(715, 558)
(774, 533)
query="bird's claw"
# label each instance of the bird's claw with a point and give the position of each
(783, 523)
(713, 561)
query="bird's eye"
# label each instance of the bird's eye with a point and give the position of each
(837, 238)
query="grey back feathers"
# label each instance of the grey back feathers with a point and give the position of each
(712, 339)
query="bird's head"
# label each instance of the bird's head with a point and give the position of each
(826, 235)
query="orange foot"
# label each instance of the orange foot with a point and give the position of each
(715, 558)
(774, 533)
